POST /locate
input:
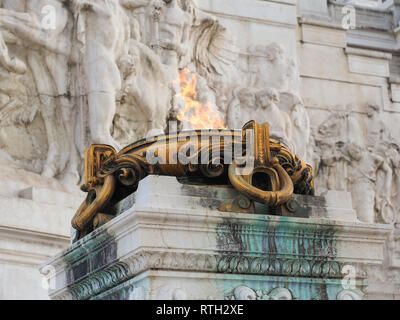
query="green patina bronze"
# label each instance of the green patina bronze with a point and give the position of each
(288, 253)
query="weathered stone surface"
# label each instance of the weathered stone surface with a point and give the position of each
(183, 237)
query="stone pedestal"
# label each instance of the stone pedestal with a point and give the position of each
(169, 241)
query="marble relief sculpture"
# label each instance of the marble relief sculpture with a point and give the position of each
(362, 180)
(92, 86)
(101, 50)
(355, 154)
(243, 101)
(48, 58)
(77, 83)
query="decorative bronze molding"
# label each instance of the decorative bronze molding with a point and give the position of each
(273, 176)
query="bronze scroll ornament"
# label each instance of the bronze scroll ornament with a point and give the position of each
(274, 176)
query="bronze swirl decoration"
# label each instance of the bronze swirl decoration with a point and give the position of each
(261, 168)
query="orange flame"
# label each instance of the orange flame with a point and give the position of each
(197, 114)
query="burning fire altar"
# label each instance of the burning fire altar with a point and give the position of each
(221, 215)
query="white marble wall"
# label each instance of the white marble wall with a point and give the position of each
(343, 73)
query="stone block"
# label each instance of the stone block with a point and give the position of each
(33, 216)
(368, 62)
(170, 242)
(323, 35)
(52, 197)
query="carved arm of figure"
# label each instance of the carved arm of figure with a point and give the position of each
(154, 13)
(27, 27)
(12, 64)
(183, 47)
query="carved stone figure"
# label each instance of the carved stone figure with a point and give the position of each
(102, 48)
(387, 187)
(375, 125)
(271, 67)
(13, 95)
(135, 10)
(330, 170)
(171, 31)
(362, 180)
(12, 64)
(49, 62)
(268, 111)
(330, 141)
(169, 38)
(292, 104)
(377, 137)
(352, 148)
(242, 104)
(260, 104)
(394, 160)
(142, 75)
(284, 111)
